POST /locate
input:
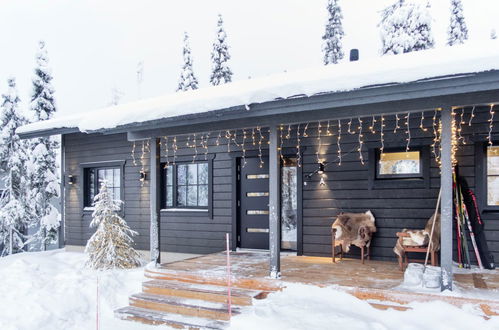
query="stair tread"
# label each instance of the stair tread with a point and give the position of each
(185, 302)
(168, 318)
(206, 288)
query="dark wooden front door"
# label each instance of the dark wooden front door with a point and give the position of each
(254, 204)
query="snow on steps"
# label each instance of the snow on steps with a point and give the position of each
(260, 284)
(152, 317)
(183, 306)
(203, 292)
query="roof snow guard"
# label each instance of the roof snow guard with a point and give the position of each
(216, 102)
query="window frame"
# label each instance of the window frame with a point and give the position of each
(85, 167)
(398, 176)
(420, 181)
(192, 210)
(481, 185)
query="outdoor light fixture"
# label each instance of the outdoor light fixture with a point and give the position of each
(142, 176)
(321, 168)
(71, 179)
(322, 182)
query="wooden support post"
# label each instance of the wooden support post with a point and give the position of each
(446, 200)
(274, 203)
(154, 189)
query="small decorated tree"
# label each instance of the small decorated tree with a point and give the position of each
(111, 244)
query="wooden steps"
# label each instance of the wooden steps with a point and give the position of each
(182, 306)
(260, 284)
(200, 292)
(148, 316)
(186, 300)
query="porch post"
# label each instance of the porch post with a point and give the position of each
(446, 201)
(274, 204)
(154, 188)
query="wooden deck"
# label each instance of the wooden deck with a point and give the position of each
(319, 271)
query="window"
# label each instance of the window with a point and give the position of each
(493, 176)
(94, 176)
(186, 186)
(399, 164)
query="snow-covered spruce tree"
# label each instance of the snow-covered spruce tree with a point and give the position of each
(220, 71)
(111, 244)
(405, 27)
(458, 32)
(493, 34)
(42, 169)
(187, 79)
(13, 202)
(332, 46)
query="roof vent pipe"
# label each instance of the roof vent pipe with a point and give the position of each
(354, 55)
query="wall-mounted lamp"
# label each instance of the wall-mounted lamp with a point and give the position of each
(142, 176)
(321, 169)
(71, 179)
(322, 182)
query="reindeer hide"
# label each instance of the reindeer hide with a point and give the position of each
(354, 228)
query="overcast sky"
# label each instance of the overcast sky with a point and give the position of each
(95, 45)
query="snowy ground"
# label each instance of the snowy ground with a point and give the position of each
(53, 290)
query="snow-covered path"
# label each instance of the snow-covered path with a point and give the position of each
(53, 290)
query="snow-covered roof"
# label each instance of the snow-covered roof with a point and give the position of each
(344, 77)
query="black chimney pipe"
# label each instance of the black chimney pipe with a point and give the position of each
(354, 55)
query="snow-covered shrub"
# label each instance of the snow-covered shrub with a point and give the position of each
(111, 246)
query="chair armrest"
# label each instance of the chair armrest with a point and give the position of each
(400, 235)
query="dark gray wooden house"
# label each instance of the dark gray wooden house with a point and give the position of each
(272, 161)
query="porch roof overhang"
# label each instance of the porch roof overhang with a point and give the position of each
(465, 82)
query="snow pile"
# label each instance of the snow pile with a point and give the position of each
(53, 290)
(468, 58)
(309, 307)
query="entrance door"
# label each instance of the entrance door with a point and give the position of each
(254, 208)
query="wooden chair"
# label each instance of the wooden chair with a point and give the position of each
(335, 243)
(404, 259)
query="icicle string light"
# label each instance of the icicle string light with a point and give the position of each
(253, 136)
(361, 142)
(319, 142)
(259, 130)
(408, 131)
(382, 134)
(454, 138)
(175, 148)
(491, 124)
(142, 156)
(134, 161)
(206, 139)
(328, 128)
(305, 130)
(472, 115)
(372, 127)
(244, 148)
(288, 135)
(227, 137)
(338, 142)
(349, 129)
(217, 142)
(396, 123)
(421, 123)
(167, 152)
(195, 146)
(148, 146)
(460, 127)
(281, 128)
(298, 149)
(435, 136)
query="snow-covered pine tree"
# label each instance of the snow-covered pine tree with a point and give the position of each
(111, 244)
(42, 169)
(332, 46)
(406, 27)
(187, 79)
(458, 31)
(13, 151)
(220, 71)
